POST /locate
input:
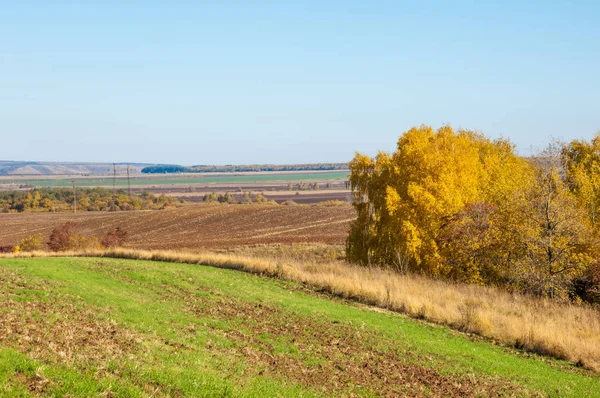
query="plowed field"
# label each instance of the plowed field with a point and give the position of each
(196, 226)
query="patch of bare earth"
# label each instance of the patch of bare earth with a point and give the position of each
(196, 226)
(36, 383)
(338, 359)
(56, 331)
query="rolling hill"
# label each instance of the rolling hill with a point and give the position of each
(112, 327)
(63, 168)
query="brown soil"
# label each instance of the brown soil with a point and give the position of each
(336, 358)
(55, 329)
(196, 226)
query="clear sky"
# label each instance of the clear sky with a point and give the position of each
(224, 82)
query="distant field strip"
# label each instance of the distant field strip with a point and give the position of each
(172, 180)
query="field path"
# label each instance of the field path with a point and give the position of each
(311, 226)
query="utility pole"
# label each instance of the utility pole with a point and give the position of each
(128, 182)
(74, 198)
(114, 178)
(112, 203)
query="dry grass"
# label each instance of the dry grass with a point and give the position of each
(563, 331)
(296, 252)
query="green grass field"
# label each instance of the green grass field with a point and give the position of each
(186, 180)
(111, 327)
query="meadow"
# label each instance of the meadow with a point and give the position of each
(117, 327)
(167, 180)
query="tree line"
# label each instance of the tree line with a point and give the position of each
(244, 168)
(229, 198)
(88, 199)
(457, 205)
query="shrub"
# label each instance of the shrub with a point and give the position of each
(114, 238)
(246, 198)
(65, 237)
(260, 198)
(226, 198)
(7, 249)
(81, 242)
(31, 243)
(60, 237)
(333, 203)
(587, 286)
(210, 197)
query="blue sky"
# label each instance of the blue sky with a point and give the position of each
(288, 82)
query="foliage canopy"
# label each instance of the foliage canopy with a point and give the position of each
(458, 205)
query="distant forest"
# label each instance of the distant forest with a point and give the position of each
(88, 199)
(244, 168)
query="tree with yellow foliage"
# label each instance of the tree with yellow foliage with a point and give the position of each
(581, 160)
(538, 239)
(31, 243)
(557, 238)
(404, 199)
(455, 204)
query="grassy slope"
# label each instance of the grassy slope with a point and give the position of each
(183, 329)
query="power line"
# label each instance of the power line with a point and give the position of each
(74, 198)
(114, 195)
(128, 182)
(114, 178)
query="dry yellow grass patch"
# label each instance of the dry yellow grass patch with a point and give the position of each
(564, 331)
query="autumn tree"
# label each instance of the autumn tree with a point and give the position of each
(471, 244)
(557, 235)
(226, 198)
(31, 243)
(458, 205)
(404, 199)
(35, 202)
(260, 198)
(114, 238)
(60, 237)
(66, 237)
(538, 239)
(246, 198)
(210, 197)
(581, 160)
